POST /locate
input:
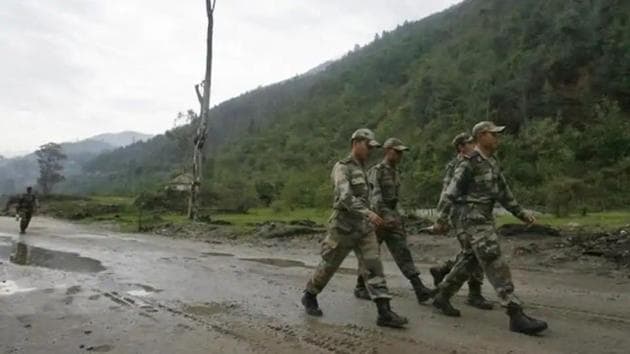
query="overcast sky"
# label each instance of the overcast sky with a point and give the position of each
(70, 69)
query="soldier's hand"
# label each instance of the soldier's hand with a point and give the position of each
(375, 219)
(439, 229)
(529, 219)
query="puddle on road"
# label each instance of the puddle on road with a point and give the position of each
(210, 309)
(216, 254)
(9, 287)
(139, 293)
(26, 255)
(288, 263)
(278, 262)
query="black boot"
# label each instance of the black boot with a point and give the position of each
(444, 305)
(475, 299)
(310, 304)
(360, 291)
(387, 317)
(422, 292)
(521, 323)
(439, 273)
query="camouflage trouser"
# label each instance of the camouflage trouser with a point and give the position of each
(476, 277)
(480, 248)
(396, 240)
(25, 219)
(336, 247)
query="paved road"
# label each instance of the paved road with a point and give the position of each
(68, 289)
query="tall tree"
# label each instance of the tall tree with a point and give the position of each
(49, 157)
(204, 101)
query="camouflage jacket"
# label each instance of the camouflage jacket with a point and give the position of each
(351, 196)
(27, 202)
(478, 183)
(384, 183)
(449, 170)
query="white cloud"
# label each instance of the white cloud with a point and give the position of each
(75, 68)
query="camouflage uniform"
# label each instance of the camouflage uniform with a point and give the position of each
(350, 230)
(26, 207)
(457, 230)
(384, 182)
(478, 183)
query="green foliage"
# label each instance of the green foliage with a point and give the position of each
(267, 192)
(234, 195)
(163, 200)
(50, 157)
(554, 72)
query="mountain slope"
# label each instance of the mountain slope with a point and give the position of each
(121, 139)
(555, 72)
(19, 172)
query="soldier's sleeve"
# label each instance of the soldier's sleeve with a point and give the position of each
(344, 193)
(448, 174)
(453, 191)
(376, 194)
(507, 200)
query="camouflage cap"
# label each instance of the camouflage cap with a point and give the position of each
(462, 138)
(366, 134)
(486, 126)
(396, 144)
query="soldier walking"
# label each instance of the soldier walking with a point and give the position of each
(351, 228)
(479, 183)
(384, 180)
(27, 203)
(463, 144)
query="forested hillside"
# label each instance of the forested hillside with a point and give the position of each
(557, 73)
(19, 172)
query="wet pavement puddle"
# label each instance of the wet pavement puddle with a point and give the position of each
(216, 254)
(210, 309)
(288, 263)
(23, 254)
(9, 287)
(139, 293)
(278, 262)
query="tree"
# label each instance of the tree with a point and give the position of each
(204, 101)
(49, 158)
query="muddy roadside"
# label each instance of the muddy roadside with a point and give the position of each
(230, 292)
(604, 252)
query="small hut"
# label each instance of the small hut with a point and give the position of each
(180, 183)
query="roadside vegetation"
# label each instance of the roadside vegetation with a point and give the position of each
(128, 215)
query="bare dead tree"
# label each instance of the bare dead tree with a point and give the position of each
(202, 129)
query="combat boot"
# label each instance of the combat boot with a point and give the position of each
(438, 274)
(475, 299)
(422, 292)
(311, 305)
(521, 323)
(360, 291)
(387, 317)
(444, 305)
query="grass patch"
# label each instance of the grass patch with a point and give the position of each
(599, 220)
(121, 211)
(259, 215)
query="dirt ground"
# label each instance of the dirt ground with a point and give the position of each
(66, 288)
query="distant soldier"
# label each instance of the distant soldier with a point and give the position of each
(26, 206)
(478, 183)
(384, 180)
(463, 144)
(351, 228)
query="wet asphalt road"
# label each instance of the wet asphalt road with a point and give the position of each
(68, 289)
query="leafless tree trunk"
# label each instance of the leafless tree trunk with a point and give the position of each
(204, 101)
